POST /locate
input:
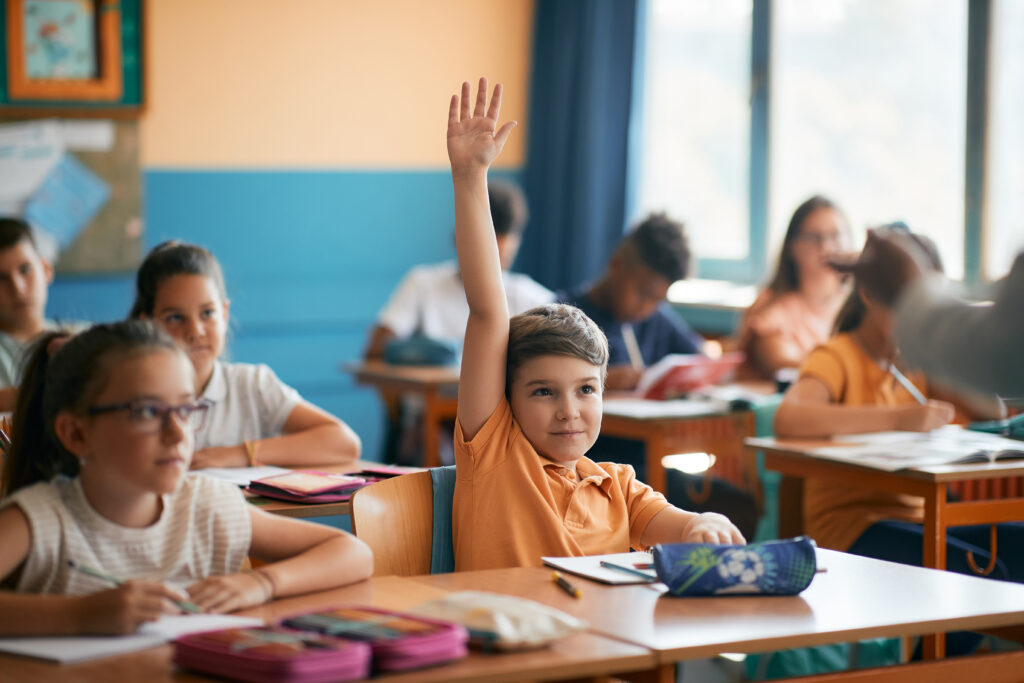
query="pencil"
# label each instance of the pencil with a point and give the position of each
(110, 578)
(565, 585)
(627, 570)
(907, 384)
(636, 359)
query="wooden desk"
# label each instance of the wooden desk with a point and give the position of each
(584, 654)
(856, 598)
(721, 434)
(438, 387)
(792, 459)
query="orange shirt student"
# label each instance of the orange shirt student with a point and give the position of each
(530, 404)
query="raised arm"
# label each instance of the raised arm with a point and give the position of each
(474, 141)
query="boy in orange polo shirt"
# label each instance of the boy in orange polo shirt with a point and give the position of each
(530, 404)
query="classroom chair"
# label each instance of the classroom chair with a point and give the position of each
(407, 522)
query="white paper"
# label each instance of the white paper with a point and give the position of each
(87, 136)
(28, 152)
(78, 648)
(242, 475)
(891, 451)
(643, 408)
(590, 567)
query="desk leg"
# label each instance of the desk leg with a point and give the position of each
(934, 646)
(431, 431)
(654, 451)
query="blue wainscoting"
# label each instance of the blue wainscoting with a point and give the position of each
(309, 258)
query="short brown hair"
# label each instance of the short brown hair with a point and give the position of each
(554, 330)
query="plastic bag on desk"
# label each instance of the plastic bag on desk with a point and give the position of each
(783, 567)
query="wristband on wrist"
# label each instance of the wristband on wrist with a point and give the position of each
(251, 447)
(267, 581)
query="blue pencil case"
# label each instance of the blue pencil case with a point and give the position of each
(783, 567)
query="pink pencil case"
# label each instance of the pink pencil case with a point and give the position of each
(308, 486)
(273, 654)
(399, 641)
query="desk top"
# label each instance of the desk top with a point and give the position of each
(583, 654)
(932, 473)
(375, 372)
(856, 598)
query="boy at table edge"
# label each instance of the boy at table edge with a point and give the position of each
(530, 404)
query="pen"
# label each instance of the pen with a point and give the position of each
(110, 578)
(907, 384)
(566, 586)
(627, 570)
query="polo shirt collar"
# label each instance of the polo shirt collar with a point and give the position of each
(217, 387)
(587, 471)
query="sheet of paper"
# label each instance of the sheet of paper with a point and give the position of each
(88, 136)
(642, 408)
(28, 152)
(891, 451)
(79, 648)
(242, 475)
(68, 199)
(590, 567)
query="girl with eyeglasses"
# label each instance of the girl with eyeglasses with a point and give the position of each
(254, 417)
(97, 491)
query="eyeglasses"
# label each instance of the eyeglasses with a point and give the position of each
(148, 416)
(820, 239)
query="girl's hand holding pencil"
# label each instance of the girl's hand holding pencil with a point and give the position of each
(123, 609)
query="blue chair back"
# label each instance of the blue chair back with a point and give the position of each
(442, 550)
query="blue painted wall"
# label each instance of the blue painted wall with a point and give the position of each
(309, 258)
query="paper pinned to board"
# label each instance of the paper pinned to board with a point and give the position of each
(67, 201)
(28, 152)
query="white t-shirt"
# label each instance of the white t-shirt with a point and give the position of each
(204, 530)
(249, 403)
(433, 298)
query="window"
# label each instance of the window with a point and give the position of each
(1004, 236)
(868, 107)
(696, 121)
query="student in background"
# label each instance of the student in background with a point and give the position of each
(431, 299)
(530, 404)
(847, 386)
(98, 476)
(629, 299)
(628, 303)
(24, 278)
(254, 417)
(796, 311)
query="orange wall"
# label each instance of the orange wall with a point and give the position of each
(324, 83)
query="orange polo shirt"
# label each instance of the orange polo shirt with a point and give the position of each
(513, 506)
(835, 515)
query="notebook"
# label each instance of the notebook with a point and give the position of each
(589, 567)
(891, 451)
(308, 486)
(64, 649)
(678, 374)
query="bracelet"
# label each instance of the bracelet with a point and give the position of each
(250, 451)
(267, 580)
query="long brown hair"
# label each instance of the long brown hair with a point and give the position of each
(787, 278)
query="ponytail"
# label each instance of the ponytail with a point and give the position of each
(66, 379)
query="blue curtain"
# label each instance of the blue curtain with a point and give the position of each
(575, 180)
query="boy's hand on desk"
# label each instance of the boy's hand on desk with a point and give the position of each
(123, 609)
(711, 527)
(472, 141)
(924, 418)
(220, 456)
(222, 594)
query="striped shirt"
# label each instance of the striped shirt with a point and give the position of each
(204, 530)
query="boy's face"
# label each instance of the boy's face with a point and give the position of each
(557, 402)
(24, 276)
(638, 291)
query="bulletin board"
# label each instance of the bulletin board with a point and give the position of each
(112, 241)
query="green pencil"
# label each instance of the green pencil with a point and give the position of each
(110, 578)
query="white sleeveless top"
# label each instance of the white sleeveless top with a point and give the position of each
(204, 530)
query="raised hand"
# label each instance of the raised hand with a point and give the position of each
(474, 141)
